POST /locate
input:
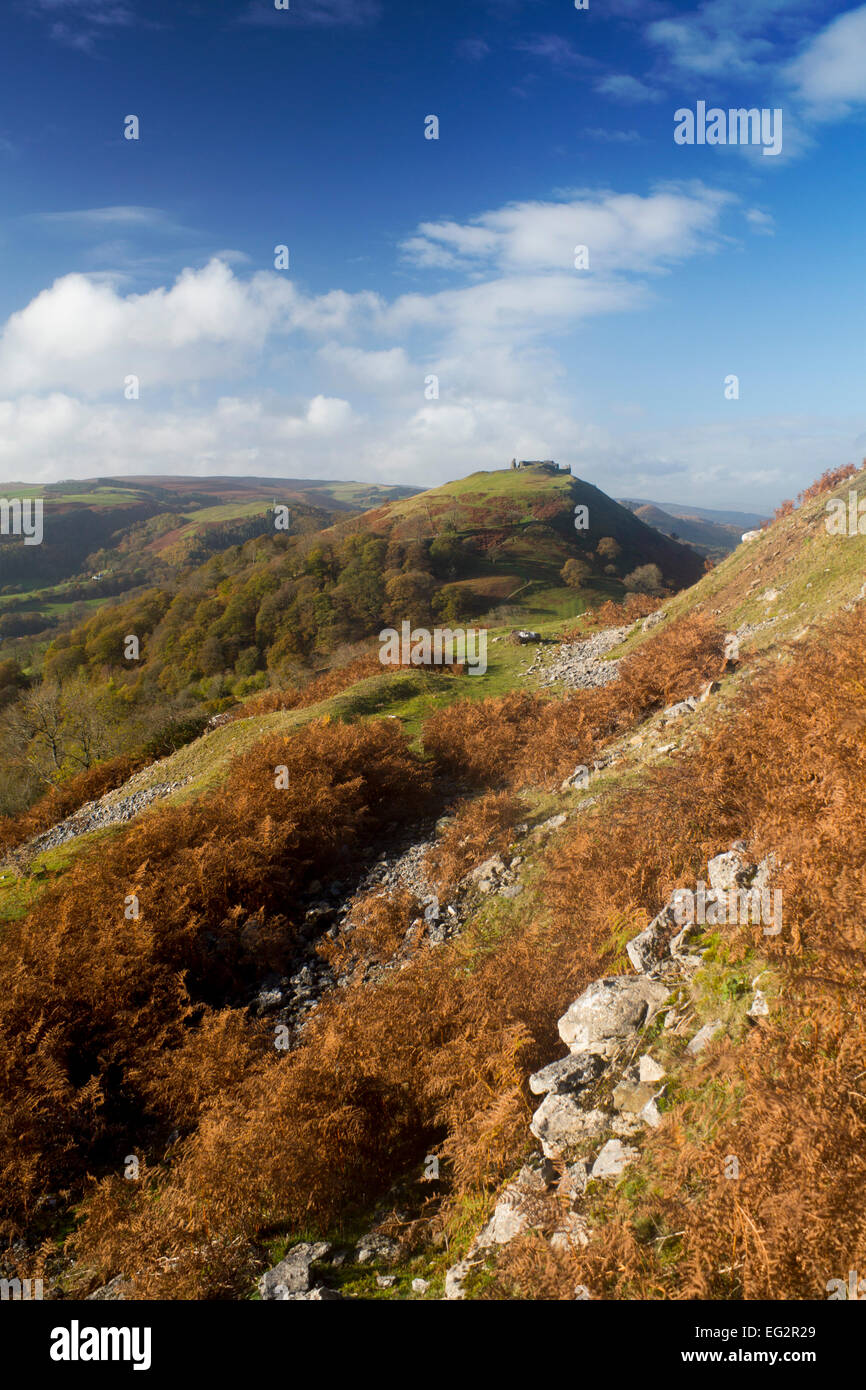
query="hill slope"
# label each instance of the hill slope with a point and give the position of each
(257, 900)
(708, 537)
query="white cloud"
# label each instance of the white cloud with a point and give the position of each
(830, 73)
(472, 50)
(353, 366)
(83, 335)
(384, 371)
(727, 37)
(45, 437)
(623, 87)
(625, 232)
(613, 137)
(79, 23)
(124, 217)
(80, 334)
(754, 461)
(761, 221)
(553, 49)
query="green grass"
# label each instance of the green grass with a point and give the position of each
(18, 892)
(100, 497)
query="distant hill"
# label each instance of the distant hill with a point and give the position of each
(709, 537)
(176, 518)
(746, 521)
(344, 495)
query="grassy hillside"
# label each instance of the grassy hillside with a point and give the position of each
(83, 518)
(147, 1031)
(531, 513)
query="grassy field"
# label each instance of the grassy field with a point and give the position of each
(100, 497)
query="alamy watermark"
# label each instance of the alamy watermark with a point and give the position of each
(838, 1289)
(444, 646)
(737, 126)
(77, 1343)
(739, 906)
(22, 517)
(21, 1290)
(846, 519)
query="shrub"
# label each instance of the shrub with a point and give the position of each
(646, 579)
(174, 735)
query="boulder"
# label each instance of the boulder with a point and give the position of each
(613, 1160)
(764, 873)
(572, 1184)
(454, 1279)
(376, 1247)
(653, 620)
(511, 1216)
(625, 1125)
(578, 781)
(486, 875)
(519, 1206)
(651, 1115)
(649, 947)
(292, 1275)
(561, 1126)
(112, 1292)
(649, 1069)
(681, 708)
(571, 1234)
(730, 871)
(568, 1075)
(608, 1012)
(632, 1096)
(704, 1036)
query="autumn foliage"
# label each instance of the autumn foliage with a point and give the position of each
(126, 1031)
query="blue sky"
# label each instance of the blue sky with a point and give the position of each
(412, 258)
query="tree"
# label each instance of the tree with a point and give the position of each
(452, 605)
(575, 572)
(646, 579)
(58, 730)
(408, 597)
(12, 679)
(608, 549)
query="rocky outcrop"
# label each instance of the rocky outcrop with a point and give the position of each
(580, 665)
(600, 1095)
(292, 1278)
(608, 1012)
